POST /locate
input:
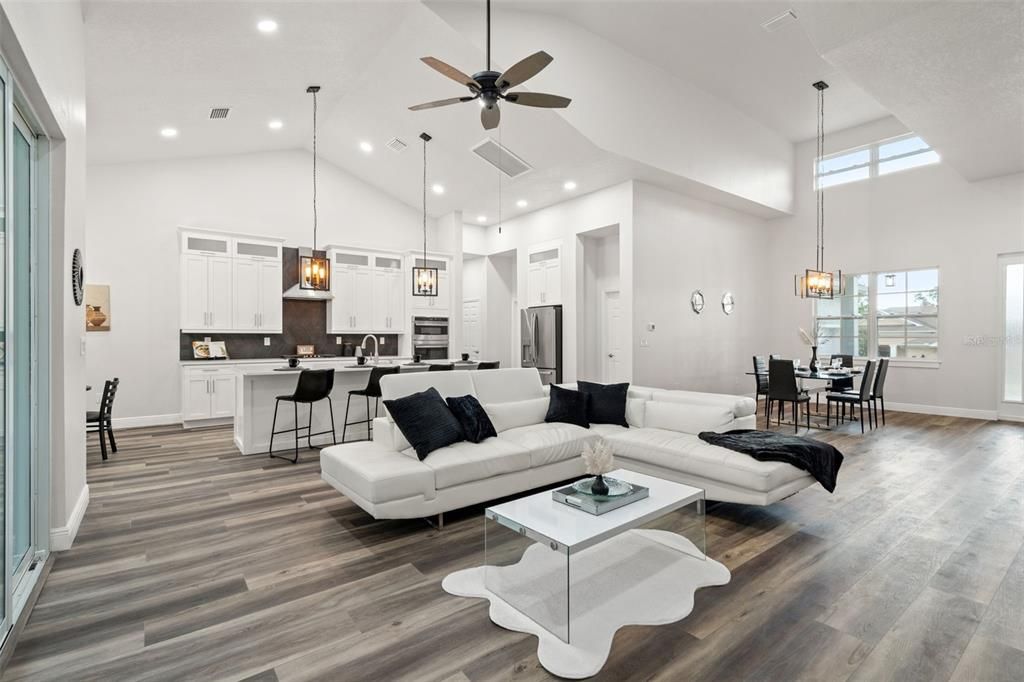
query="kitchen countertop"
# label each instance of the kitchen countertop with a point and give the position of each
(234, 362)
(345, 366)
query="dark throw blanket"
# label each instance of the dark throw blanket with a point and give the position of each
(820, 460)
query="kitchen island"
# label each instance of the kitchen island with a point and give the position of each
(257, 387)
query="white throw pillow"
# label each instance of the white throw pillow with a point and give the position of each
(635, 408)
(686, 418)
(507, 416)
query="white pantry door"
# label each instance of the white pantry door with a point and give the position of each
(471, 334)
(612, 332)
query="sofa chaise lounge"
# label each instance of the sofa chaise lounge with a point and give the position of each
(388, 481)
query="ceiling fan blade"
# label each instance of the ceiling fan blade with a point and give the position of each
(524, 69)
(538, 99)
(440, 103)
(490, 117)
(450, 71)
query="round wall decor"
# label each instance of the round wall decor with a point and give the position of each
(77, 277)
(697, 301)
(728, 303)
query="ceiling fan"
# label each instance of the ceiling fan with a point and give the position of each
(490, 87)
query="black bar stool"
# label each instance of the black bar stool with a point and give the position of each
(372, 390)
(314, 385)
(100, 421)
(489, 364)
(441, 368)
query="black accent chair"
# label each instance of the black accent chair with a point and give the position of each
(99, 421)
(314, 385)
(490, 364)
(877, 392)
(372, 390)
(761, 381)
(861, 396)
(782, 388)
(441, 368)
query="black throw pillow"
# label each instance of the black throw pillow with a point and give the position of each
(425, 421)
(476, 425)
(607, 402)
(567, 406)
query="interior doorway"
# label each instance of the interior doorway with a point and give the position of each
(1011, 366)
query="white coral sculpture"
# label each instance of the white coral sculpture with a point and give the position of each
(598, 458)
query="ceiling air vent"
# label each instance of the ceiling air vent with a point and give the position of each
(219, 112)
(396, 145)
(501, 158)
(784, 19)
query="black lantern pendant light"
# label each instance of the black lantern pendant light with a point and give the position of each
(424, 278)
(816, 282)
(314, 270)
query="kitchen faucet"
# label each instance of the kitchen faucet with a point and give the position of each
(376, 344)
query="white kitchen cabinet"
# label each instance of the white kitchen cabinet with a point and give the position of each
(544, 278)
(388, 295)
(206, 292)
(257, 295)
(351, 308)
(207, 393)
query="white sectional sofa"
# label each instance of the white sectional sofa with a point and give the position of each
(387, 480)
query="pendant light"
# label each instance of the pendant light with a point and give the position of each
(424, 278)
(314, 270)
(816, 282)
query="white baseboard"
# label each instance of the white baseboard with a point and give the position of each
(146, 420)
(62, 537)
(942, 411)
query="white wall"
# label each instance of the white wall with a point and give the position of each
(922, 217)
(44, 44)
(133, 217)
(562, 223)
(682, 244)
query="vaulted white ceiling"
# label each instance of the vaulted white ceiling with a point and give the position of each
(157, 64)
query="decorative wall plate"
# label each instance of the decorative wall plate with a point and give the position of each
(728, 303)
(697, 301)
(77, 277)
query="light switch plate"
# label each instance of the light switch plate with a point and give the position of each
(337, 340)
(266, 340)
(207, 339)
(644, 344)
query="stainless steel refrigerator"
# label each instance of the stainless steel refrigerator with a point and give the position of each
(541, 330)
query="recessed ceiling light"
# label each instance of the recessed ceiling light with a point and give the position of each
(366, 146)
(267, 26)
(438, 189)
(275, 125)
(569, 186)
(481, 219)
(168, 132)
(522, 203)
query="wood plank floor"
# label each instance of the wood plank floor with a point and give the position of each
(194, 562)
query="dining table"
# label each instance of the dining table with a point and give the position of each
(820, 374)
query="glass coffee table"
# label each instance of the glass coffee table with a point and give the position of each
(561, 566)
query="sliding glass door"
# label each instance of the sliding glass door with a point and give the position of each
(1011, 312)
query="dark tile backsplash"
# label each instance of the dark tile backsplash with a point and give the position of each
(305, 322)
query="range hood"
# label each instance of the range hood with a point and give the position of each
(297, 265)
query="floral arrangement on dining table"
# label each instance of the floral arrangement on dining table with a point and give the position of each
(812, 341)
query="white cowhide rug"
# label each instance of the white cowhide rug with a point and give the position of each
(640, 577)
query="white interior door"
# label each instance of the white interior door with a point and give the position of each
(612, 335)
(471, 333)
(1011, 375)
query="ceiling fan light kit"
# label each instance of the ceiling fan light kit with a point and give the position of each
(491, 87)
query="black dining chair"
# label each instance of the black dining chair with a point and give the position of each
(877, 391)
(489, 364)
(837, 385)
(853, 399)
(372, 390)
(782, 388)
(314, 385)
(441, 368)
(99, 420)
(761, 381)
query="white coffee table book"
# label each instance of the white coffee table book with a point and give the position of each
(573, 579)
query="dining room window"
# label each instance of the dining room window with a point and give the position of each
(873, 160)
(892, 314)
